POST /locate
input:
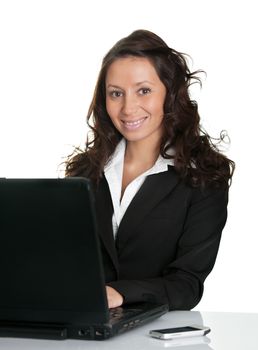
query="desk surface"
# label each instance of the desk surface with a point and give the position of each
(228, 331)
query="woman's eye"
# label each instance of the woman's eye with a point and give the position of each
(115, 93)
(144, 91)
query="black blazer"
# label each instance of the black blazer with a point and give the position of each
(167, 241)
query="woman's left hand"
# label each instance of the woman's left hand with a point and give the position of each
(114, 298)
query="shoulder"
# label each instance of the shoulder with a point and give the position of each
(212, 194)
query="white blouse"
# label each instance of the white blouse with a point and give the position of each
(114, 173)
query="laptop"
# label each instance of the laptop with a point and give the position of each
(52, 277)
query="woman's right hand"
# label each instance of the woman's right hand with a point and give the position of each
(114, 298)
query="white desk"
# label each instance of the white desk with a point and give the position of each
(229, 331)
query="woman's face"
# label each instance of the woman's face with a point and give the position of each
(135, 98)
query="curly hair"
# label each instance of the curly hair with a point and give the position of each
(197, 159)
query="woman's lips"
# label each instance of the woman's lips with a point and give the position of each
(135, 124)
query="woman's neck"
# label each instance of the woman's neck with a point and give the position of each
(141, 153)
(139, 157)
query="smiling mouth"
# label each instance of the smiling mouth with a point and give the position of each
(134, 124)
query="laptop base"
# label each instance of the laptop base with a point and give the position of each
(130, 317)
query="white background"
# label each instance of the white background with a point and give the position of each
(50, 55)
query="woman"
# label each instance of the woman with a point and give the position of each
(161, 184)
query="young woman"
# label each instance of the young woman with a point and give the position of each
(161, 185)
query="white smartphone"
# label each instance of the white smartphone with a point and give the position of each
(180, 332)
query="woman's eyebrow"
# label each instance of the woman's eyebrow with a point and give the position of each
(136, 84)
(114, 86)
(143, 82)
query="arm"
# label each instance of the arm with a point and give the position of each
(181, 282)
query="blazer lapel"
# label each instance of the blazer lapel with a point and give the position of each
(153, 190)
(104, 210)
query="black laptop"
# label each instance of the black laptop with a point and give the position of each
(52, 279)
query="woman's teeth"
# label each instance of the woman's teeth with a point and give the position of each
(134, 124)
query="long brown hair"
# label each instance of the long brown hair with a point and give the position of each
(197, 158)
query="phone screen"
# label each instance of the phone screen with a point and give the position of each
(177, 330)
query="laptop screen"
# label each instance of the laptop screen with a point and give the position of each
(50, 263)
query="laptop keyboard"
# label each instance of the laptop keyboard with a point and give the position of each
(119, 313)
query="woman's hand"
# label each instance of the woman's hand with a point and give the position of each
(114, 298)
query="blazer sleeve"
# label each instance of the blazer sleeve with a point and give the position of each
(181, 282)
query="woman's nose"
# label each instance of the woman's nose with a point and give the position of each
(130, 105)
